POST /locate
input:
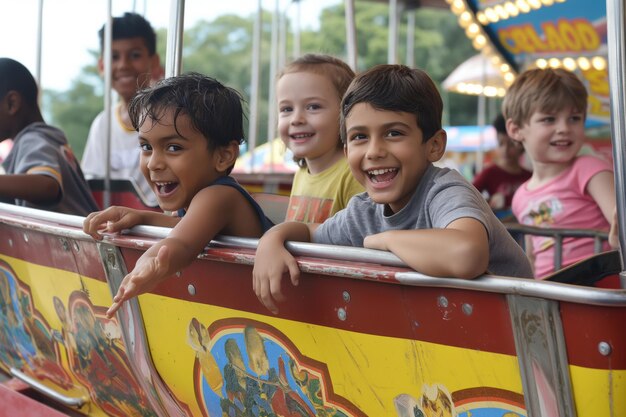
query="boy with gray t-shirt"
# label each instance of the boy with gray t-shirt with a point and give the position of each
(441, 197)
(431, 218)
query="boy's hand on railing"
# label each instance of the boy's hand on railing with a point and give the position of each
(272, 261)
(148, 272)
(112, 220)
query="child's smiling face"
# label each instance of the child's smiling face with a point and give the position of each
(387, 154)
(308, 118)
(131, 66)
(551, 137)
(176, 164)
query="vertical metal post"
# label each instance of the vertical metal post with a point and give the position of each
(254, 83)
(392, 48)
(271, 119)
(282, 38)
(617, 78)
(410, 38)
(108, 76)
(39, 43)
(482, 110)
(350, 34)
(296, 31)
(174, 51)
(542, 355)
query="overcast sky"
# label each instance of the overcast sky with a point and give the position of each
(70, 27)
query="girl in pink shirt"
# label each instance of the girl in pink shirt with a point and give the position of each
(545, 111)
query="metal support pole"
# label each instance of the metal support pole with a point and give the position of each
(271, 120)
(410, 38)
(254, 83)
(617, 78)
(39, 43)
(296, 31)
(282, 38)
(350, 34)
(174, 51)
(108, 78)
(392, 49)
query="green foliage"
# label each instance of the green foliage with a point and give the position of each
(222, 49)
(73, 111)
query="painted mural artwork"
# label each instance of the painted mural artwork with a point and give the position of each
(247, 368)
(97, 358)
(92, 344)
(26, 340)
(436, 401)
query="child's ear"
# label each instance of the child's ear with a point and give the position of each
(226, 156)
(437, 145)
(101, 66)
(13, 101)
(513, 130)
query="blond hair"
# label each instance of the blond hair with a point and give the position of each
(338, 72)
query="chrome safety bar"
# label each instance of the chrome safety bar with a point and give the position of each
(558, 235)
(48, 392)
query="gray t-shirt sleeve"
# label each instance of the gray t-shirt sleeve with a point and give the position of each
(455, 201)
(37, 156)
(334, 230)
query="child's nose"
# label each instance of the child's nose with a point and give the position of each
(122, 61)
(155, 161)
(376, 149)
(297, 117)
(562, 125)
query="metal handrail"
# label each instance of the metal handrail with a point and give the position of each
(558, 234)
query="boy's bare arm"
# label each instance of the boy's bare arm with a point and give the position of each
(115, 219)
(34, 188)
(461, 250)
(273, 260)
(210, 211)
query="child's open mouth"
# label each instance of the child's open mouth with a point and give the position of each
(561, 143)
(301, 137)
(381, 176)
(166, 188)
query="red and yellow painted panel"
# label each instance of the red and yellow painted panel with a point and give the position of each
(394, 351)
(341, 372)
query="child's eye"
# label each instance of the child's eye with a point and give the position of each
(136, 55)
(173, 148)
(313, 106)
(548, 119)
(284, 109)
(145, 147)
(357, 136)
(576, 118)
(394, 133)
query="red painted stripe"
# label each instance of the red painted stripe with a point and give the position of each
(51, 251)
(585, 326)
